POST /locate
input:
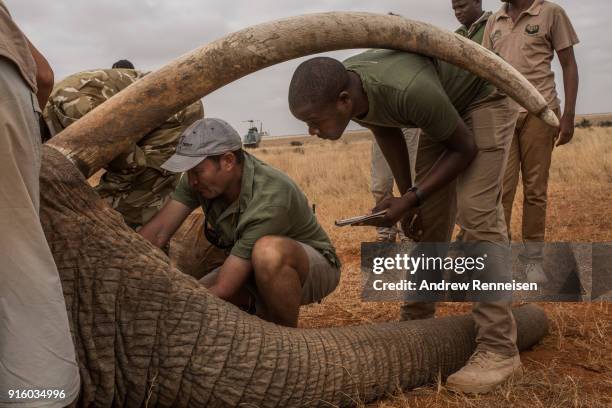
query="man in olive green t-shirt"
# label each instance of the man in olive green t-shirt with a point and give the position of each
(278, 256)
(467, 128)
(472, 18)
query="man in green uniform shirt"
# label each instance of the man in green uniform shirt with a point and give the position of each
(472, 18)
(278, 256)
(134, 184)
(467, 128)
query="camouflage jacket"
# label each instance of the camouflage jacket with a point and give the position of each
(134, 183)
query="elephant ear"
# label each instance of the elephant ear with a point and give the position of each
(109, 129)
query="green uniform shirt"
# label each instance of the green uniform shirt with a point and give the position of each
(270, 203)
(410, 90)
(476, 30)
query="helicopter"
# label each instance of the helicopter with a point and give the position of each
(253, 136)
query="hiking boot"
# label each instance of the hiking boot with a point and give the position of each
(484, 371)
(535, 273)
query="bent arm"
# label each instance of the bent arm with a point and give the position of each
(459, 153)
(44, 76)
(164, 224)
(233, 274)
(460, 150)
(393, 146)
(570, 84)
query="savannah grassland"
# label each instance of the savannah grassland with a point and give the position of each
(572, 367)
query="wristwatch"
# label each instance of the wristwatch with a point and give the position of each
(418, 193)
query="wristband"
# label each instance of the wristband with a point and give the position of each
(418, 193)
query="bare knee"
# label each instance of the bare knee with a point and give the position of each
(269, 257)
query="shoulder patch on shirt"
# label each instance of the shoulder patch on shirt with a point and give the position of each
(532, 29)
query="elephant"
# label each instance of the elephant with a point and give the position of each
(147, 334)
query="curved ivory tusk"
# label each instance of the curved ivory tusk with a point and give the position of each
(113, 126)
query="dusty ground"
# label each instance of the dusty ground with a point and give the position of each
(572, 366)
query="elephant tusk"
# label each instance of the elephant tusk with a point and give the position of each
(112, 127)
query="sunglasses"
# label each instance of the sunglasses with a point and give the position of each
(211, 233)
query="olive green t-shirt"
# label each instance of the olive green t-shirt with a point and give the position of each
(270, 203)
(476, 31)
(410, 90)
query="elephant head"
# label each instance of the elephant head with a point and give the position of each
(145, 333)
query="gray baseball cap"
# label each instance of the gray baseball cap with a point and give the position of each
(205, 137)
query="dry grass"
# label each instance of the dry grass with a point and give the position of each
(572, 366)
(595, 118)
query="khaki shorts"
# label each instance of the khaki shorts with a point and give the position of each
(322, 279)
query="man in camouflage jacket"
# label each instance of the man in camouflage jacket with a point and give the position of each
(134, 183)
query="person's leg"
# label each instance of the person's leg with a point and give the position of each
(481, 214)
(322, 278)
(496, 327)
(537, 143)
(381, 187)
(281, 267)
(438, 217)
(411, 135)
(511, 175)
(36, 347)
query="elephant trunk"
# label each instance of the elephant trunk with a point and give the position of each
(145, 333)
(113, 126)
(271, 366)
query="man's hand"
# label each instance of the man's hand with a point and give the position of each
(412, 225)
(396, 208)
(566, 129)
(232, 276)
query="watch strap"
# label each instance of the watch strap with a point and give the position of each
(418, 193)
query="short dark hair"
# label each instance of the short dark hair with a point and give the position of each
(317, 81)
(123, 64)
(238, 153)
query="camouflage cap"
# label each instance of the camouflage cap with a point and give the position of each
(205, 137)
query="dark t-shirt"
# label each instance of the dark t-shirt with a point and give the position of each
(411, 90)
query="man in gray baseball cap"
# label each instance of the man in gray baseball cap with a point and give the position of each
(277, 256)
(204, 138)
